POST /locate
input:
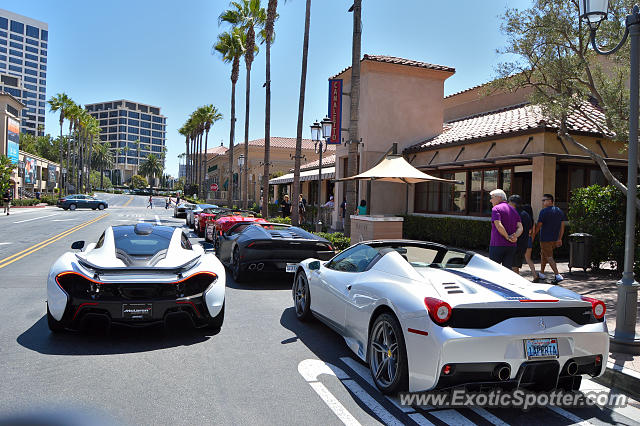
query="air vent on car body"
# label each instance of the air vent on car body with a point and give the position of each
(452, 288)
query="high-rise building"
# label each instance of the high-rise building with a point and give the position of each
(23, 66)
(133, 130)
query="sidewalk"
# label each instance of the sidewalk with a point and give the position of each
(623, 370)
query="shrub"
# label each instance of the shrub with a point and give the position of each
(25, 202)
(277, 219)
(139, 182)
(338, 240)
(458, 232)
(601, 212)
(49, 199)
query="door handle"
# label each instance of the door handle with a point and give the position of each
(349, 287)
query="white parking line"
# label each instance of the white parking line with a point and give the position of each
(158, 220)
(564, 413)
(36, 218)
(310, 369)
(419, 418)
(488, 416)
(630, 411)
(452, 417)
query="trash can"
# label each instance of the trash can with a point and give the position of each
(580, 251)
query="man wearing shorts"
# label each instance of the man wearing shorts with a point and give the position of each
(551, 223)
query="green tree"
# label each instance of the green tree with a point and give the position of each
(272, 15)
(151, 167)
(250, 16)
(103, 159)
(60, 102)
(6, 168)
(210, 115)
(97, 179)
(554, 59)
(231, 45)
(139, 182)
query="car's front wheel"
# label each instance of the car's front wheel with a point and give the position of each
(302, 297)
(100, 206)
(72, 207)
(215, 323)
(387, 355)
(54, 325)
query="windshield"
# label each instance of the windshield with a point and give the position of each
(429, 256)
(134, 244)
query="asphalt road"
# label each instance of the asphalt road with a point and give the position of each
(263, 367)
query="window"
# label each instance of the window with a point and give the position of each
(132, 160)
(42, 97)
(156, 119)
(122, 113)
(3, 41)
(146, 117)
(156, 134)
(16, 37)
(134, 122)
(156, 148)
(3, 58)
(17, 27)
(113, 137)
(133, 130)
(43, 75)
(15, 53)
(31, 49)
(132, 137)
(33, 31)
(482, 182)
(43, 67)
(4, 23)
(30, 64)
(134, 115)
(41, 111)
(145, 132)
(122, 121)
(31, 79)
(122, 129)
(44, 34)
(120, 160)
(12, 91)
(43, 52)
(19, 69)
(15, 45)
(156, 141)
(113, 113)
(145, 125)
(3, 34)
(355, 259)
(3, 49)
(113, 129)
(30, 56)
(32, 42)
(43, 45)
(157, 127)
(145, 139)
(104, 115)
(113, 121)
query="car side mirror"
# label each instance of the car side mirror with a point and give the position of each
(315, 265)
(78, 245)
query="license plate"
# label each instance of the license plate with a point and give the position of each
(291, 267)
(541, 348)
(139, 311)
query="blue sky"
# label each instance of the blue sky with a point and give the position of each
(159, 53)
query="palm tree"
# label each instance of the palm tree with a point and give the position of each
(303, 83)
(210, 115)
(103, 159)
(268, 30)
(60, 102)
(248, 15)
(93, 133)
(73, 115)
(184, 131)
(231, 46)
(137, 142)
(151, 167)
(354, 112)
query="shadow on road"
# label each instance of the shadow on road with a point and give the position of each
(119, 340)
(262, 281)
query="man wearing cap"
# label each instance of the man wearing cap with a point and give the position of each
(329, 203)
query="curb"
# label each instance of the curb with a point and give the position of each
(624, 379)
(39, 206)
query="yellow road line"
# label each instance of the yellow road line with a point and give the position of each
(127, 203)
(9, 260)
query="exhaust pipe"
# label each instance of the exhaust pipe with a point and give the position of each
(572, 368)
(259, 266)
(502, 372)
(252, 267)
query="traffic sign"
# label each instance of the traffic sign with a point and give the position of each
(214, 187)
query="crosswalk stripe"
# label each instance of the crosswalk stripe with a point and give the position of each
(420, 419)
(333, 404)
(452, 417)
(488, 416)
(630, 411)
(386, 417)
(564, 413)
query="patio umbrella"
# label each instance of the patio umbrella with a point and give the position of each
(394, 168)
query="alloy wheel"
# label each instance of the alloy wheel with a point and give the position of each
(384, 354)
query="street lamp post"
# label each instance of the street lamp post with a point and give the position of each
(593, 12)
(240, 165)
(325, 127)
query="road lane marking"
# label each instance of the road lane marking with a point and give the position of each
(36, 218)
(488, 416)
(451, 417)
(61, 220)
(564, 413)
(2, 244)
(128, 202)
(158, 220)
(310, 369)
(9, 260)
(630, 411)
(420, 419)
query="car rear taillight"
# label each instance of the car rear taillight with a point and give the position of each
(597, 306)
(439, 310)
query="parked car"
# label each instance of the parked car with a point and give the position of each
(194, 211)
(268, 247)
(136, 275)
(180, 209)
(76, 201)
(424, 316)
(224, 220)
(200, 219)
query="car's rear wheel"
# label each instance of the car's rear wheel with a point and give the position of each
(72, 207)
(54, 325)
(236, 269)
(302, 297)
(215, 323)
(388, 355)
(100, 206)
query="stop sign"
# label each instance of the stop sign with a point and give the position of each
(214, 187)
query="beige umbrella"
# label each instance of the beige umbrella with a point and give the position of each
(394, 168)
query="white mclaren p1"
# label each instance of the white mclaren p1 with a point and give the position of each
(136, 275)
(424, 316)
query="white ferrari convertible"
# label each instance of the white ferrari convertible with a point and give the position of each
(137, 276)
(424, 316)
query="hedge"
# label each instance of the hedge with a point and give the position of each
(338, 240)
(601, 212)
(25, 202)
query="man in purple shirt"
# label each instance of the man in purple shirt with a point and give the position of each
(505, 229)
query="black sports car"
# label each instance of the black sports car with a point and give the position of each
(268, 247)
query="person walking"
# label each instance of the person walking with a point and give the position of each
(150, 202)
(506, 227)
(177, 199)
(551, 224)
(523, 245)
(302, 210)
(286, 206)
(6, 200)
(329, 204)
(167, 203)
(343, 206)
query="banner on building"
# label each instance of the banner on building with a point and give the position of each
(29, 170)
(52, 175)
(13, 140)
(335, 110)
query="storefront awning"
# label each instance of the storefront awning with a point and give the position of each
(327, 173)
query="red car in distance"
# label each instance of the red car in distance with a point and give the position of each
(224, 220)
(200, 218)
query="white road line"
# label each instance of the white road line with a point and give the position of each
(2, 244)
(335, 406)
(158, 220)
(488, 416)
(310, 369)
(452, 417)
(630, 411)
(362, 371)
(35, 218)
(564, 413)
(419, 418)
(61, 220)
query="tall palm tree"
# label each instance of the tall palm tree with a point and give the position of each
(231, 46)
(210, 115)
(73, 115)
(103, 159)
(60, 102)
(354, 137)
(184, 131)
(248, 15)
(303, 82)
(272, 14)
(93, 134)
(151, 167)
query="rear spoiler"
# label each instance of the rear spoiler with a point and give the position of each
(178, 270)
